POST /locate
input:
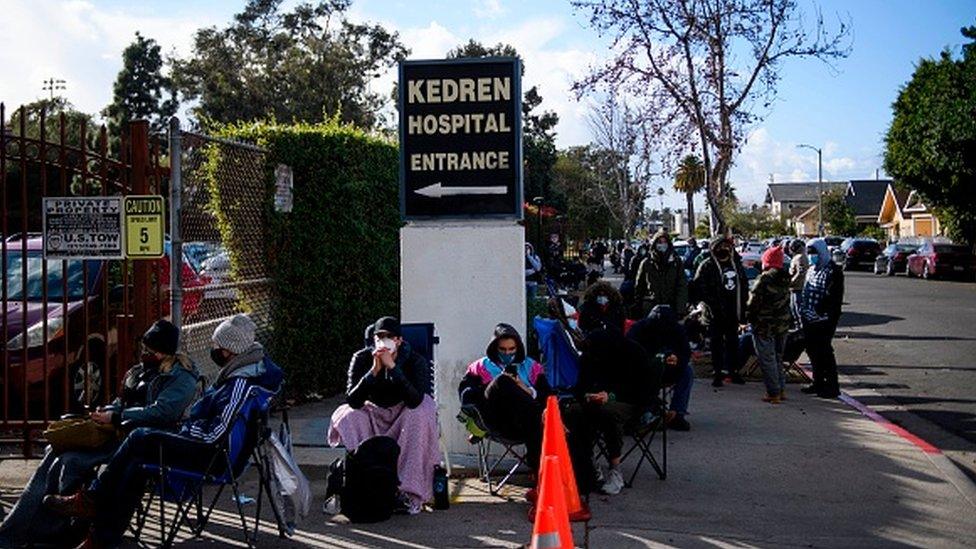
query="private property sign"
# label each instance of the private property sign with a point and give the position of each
(83, 227)
(461, 138)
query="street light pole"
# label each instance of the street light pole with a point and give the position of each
(820, 225)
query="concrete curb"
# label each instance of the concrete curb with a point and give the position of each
(952, 472)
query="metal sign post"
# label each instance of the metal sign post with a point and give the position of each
(461, 139)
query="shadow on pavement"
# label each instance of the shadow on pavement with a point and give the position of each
(855, 319)
(897, 337)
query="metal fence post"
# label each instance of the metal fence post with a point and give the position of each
(175, 208)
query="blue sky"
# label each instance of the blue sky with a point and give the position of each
(845, 111)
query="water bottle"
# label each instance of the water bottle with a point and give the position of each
(441, 499)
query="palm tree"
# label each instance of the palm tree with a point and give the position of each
(689, 179)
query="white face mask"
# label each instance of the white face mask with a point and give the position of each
(662, 247)
(386, 343)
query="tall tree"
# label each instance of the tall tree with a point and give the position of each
(703, 70)
(304, 65)
(626, 162)
(690, 179)
(931, 143)
(538, 129)
(141, 92)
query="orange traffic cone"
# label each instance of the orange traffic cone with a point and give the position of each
(551, 529)
(554, 444)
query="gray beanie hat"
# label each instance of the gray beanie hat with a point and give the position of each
(236, 334)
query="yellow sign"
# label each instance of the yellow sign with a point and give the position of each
(145, 225)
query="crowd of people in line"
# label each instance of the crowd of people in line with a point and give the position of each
(629, 345)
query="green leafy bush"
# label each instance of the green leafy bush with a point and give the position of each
(334, 259)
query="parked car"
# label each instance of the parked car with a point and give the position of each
(934, 260)
(751, 247)
(217, 269)
(833, 242)
(752, 264)
(860, 252)
(893, 258)
(61, 295)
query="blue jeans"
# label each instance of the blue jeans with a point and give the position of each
(769, 351)
(63, 474)
(682, 376)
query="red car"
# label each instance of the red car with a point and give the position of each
(24, 319)
(935, 259)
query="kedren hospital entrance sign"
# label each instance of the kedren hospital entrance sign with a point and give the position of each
(460, 138)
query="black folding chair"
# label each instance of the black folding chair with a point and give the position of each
(642, 437)
(490, 468)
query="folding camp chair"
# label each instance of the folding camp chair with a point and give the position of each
(490, 467)
(239, 447)
(642, 437)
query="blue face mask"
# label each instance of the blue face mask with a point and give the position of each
(813, 258)
(506, 358)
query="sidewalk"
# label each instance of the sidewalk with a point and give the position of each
(808, 473)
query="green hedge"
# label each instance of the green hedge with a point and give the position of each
(334, 258)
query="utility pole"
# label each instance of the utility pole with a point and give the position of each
(820, 225)
(52, 84)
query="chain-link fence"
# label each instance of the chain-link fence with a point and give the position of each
(225, 271)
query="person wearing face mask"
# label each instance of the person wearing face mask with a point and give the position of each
(799, 264)
(661, 279)
(820, 309)
(112, 499)
(509, 389)
(154, 393)
(388, 393)
(722, 285)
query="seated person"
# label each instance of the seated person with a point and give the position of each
(601, 308)
(155, 393)
(660, 334)
(115, 494)
(509, 389)
(615, 391)
(387, 395)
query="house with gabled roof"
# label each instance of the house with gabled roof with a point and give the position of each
(903, 214)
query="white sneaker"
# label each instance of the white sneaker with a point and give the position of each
(614, 483)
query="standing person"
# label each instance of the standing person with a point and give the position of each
(533, 264)
(155, 393)
(661, 279)
(114, 496)
(799, 264)
(768, 310)
(820, 308)
(387, 394)
(693, 252)
(722, 284)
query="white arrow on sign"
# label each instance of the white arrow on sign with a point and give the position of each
(437, 190)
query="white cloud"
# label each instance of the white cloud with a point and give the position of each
(79, 42)
(763, 154)
(488, 9)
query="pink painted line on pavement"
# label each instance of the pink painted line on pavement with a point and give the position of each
(880, 420)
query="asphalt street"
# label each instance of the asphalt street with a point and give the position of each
(913, 342)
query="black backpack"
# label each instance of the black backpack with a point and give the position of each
(369, 480)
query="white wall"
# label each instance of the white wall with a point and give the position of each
(465, 277)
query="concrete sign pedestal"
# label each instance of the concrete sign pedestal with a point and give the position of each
(465, 277)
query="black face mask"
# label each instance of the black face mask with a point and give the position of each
(217, 355)
(722, 254)
(150, 361)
